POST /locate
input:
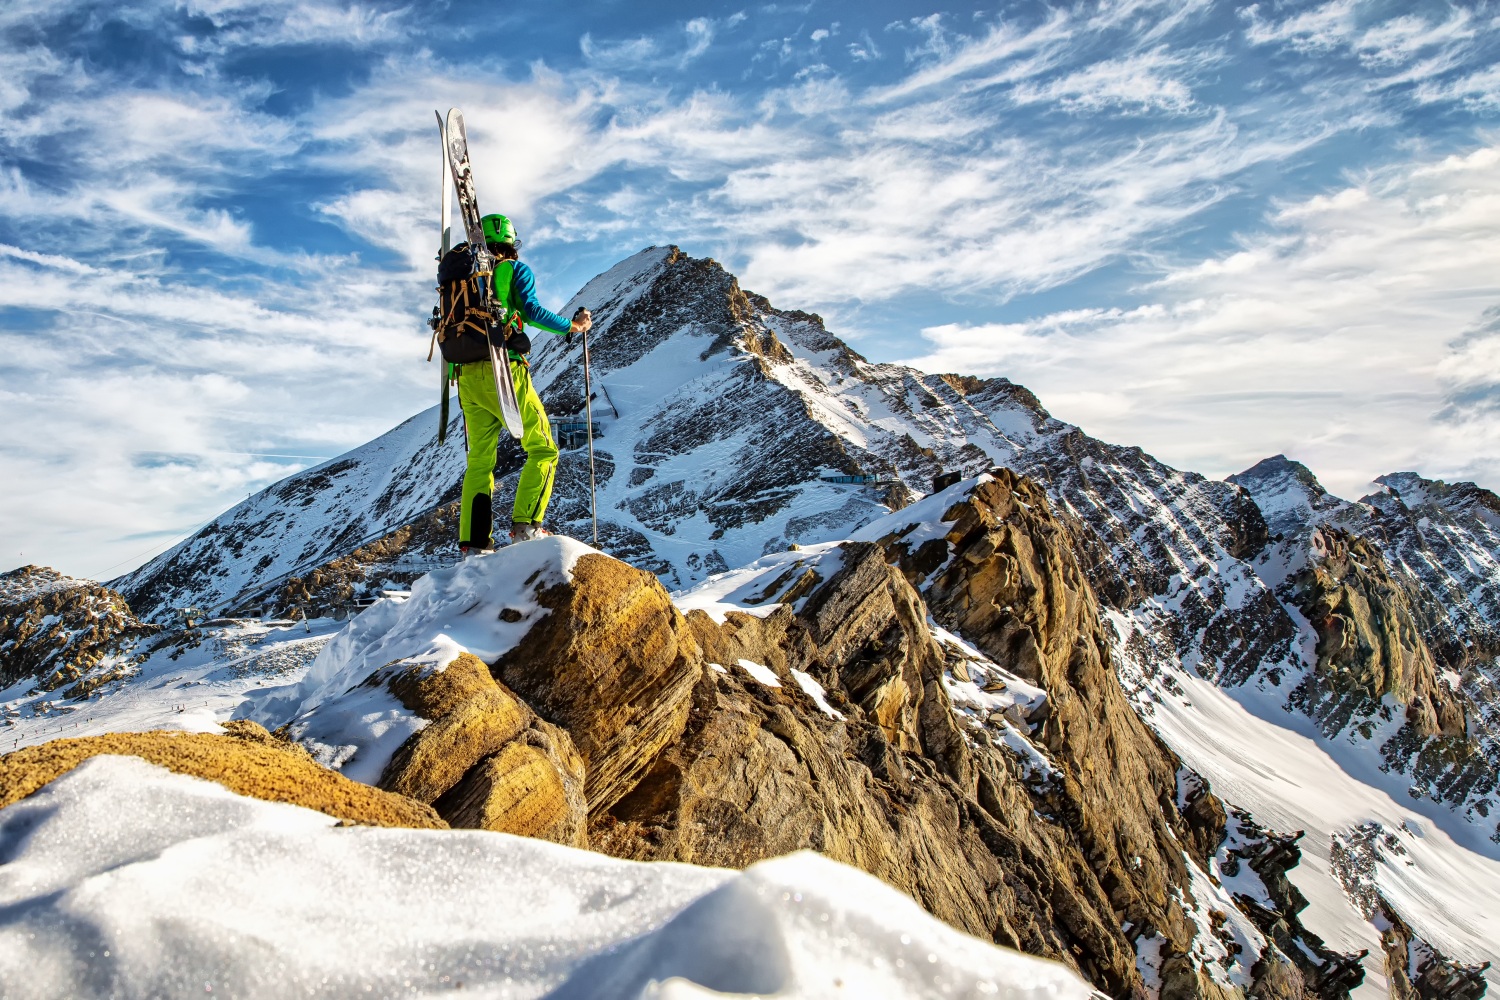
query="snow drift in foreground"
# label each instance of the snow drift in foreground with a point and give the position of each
(98, 897)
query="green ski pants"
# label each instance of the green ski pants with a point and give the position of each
(482, 420)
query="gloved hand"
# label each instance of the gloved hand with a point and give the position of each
(583, 321)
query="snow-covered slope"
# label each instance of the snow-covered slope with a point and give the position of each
(301, 522)
(100, 898)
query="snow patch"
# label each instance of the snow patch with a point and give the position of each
(319, 909)
(760, 587)
(815, 691)
(762, 673)
(483, 605)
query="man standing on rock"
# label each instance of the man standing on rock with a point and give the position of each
(515, 294)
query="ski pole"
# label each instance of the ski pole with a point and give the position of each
(445, 184)
(588, 409)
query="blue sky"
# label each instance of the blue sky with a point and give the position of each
(1216, 230)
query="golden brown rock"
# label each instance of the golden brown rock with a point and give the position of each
(532, 788)
(434, 759)
(432, 694)
(1369, 644)
(614, 665)
(484, 761)
(1055, 863)
(248, 761)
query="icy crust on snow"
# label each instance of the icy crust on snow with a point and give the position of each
(99, 898)
(356, 728)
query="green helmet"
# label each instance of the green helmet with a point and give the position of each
(497, 229)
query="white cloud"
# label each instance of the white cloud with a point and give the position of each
(1407, 48)
(1333, 336)
(958, 57)
(1320, 29)
(1401, 39)
(1144, 81)
(648, 52)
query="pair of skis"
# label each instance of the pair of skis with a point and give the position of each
(456, 170)
(457, 175)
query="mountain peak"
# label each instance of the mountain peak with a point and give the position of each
(1288, 494)
(1458, 499)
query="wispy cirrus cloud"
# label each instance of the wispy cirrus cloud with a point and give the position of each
(1326, 330)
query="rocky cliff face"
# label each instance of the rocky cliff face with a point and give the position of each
(1368, 642)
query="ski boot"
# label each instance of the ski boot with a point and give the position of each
(521, 531)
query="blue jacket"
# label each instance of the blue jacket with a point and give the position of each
(522, 297)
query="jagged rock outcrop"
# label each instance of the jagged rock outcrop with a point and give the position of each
(817, 714)
(1004, 575)
(613, 665)
(484, 760)
(1368, 643)
(1416, 971)
(247, 761)
(1274, 903)
(694, 756)
(59, 631)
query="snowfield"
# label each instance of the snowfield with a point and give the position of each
(1258, 757)
(100, 898)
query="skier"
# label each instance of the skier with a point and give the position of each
(515, 293)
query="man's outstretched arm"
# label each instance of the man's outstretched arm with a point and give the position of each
(523, 284)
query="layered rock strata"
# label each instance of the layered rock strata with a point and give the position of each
(484, 760)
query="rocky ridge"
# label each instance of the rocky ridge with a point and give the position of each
(1389, 662)
(55, 631)
(823, 716)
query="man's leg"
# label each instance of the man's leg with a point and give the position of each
(534, 490)
(481, 406)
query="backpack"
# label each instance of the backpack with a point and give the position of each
(461, 325)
